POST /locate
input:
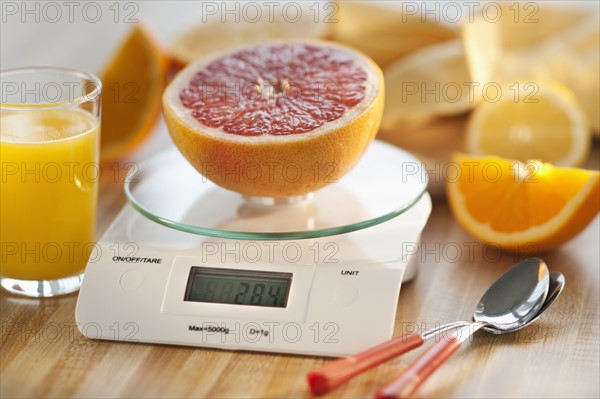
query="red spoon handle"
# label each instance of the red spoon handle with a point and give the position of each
(335, 373)
(418, 371)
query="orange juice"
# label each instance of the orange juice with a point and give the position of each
(48, 192)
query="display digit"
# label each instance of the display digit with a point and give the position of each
(211, 286)
(274, 295)
(257, 293)
(239, 298)
(226, 292)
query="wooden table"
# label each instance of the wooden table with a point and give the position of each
(44, 355)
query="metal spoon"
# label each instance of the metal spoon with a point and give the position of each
(335, 373)
(511, 303)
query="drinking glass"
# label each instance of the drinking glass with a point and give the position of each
(49, 153)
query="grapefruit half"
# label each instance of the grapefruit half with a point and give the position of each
(279, 119)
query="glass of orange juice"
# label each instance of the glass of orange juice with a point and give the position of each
(49, 156)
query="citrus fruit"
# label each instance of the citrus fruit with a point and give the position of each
(525, 207)
(501, 40)
(276, 120)
(530, 120)
(216, 34)
(525, 26)
(133, 83)
(386, 34)
(537, 42)
(574, 60)
(429, 82)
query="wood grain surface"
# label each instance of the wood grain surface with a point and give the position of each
(44, 355)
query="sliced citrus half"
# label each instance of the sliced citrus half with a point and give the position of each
(574, 60)
(524, 26)
(256, 25)
(526, 207)
(502, 38)
(386, 33)
(530, 120)
(539, 42)
(430, 82)
(133, 84)
(276, 120)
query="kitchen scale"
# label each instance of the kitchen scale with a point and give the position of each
(187, 262)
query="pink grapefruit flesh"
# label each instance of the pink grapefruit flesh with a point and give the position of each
(300, 113)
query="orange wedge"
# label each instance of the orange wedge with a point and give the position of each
(525, 207)
(133, 84)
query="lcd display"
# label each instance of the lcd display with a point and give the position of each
(238, 287)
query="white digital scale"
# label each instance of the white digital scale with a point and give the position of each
(189, 263)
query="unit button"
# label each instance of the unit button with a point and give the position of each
(131, 280)
(345, 294)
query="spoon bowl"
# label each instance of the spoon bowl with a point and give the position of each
(516, 297)
(557, 283)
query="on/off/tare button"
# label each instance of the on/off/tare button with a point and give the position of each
(345, 294)
(131, 280)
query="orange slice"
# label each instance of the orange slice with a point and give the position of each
(525, 207)
(133, 84)
(276, 120)
(531, 120)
